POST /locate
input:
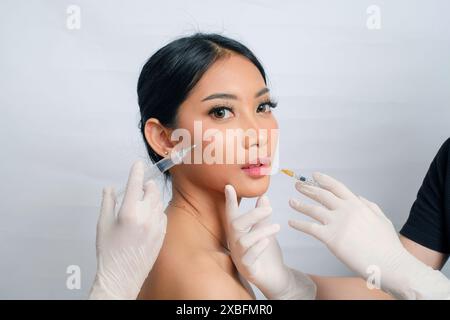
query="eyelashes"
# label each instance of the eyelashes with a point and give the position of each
(270, 103)
(220, 112)
(225, 111)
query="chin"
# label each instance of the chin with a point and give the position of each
(251, 187)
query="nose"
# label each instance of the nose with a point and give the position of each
(254, 134)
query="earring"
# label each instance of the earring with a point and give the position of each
(166, 152)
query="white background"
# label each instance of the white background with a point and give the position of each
(370, 107)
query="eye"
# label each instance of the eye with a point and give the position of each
(221, 112)
(266, 106)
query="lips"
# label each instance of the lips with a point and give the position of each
(258, 162)
(258, 167)
(252, 166)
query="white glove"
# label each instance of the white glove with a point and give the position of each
(256, 253)
(127, 246)
(358, 233)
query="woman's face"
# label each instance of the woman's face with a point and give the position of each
(231, 104)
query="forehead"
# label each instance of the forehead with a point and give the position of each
(230, 74)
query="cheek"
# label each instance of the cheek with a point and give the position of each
(214, 176)
(273, 135)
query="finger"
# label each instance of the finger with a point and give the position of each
(151, 192)
(160, 235)
(107, 213)
(320, 195)
(318, 213)
(249, 239)
(311, 228)
(245, 222)
(163, 223)
(231, 203)
(149, 213)
(135, 184)
(254, 252)
(334, 186)
(263, 202)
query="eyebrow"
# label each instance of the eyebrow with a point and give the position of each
(232, 96)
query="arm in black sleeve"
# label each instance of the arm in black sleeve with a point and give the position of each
(429, 221)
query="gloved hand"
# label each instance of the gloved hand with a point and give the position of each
(256, 253)
(128, 245)
(358, 233)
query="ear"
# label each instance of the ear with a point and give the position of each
(158, 137)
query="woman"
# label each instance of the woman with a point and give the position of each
(219, 83)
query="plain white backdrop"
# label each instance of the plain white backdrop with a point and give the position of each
(368, 106)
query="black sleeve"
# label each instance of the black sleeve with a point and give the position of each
(429, 220)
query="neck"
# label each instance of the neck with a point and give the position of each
(207, 206)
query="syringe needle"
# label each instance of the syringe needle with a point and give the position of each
(300, 177)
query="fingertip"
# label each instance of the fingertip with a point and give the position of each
(317, 175)
(322, 179)
(138, 166)
(294, 203)
(292, 223)
(265, 200)
(139, 163)
(299, 185)
(107, 191)
(150, 184)
(229, 189)
(113, 193)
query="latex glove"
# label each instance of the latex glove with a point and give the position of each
(358, 233)
(257, 254)
(128, 245)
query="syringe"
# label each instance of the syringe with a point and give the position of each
(158, 168)
(300, 177)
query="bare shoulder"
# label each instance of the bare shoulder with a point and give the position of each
(186, 269)
(205, 279)
(192, 276)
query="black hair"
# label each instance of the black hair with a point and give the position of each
(172, 72)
